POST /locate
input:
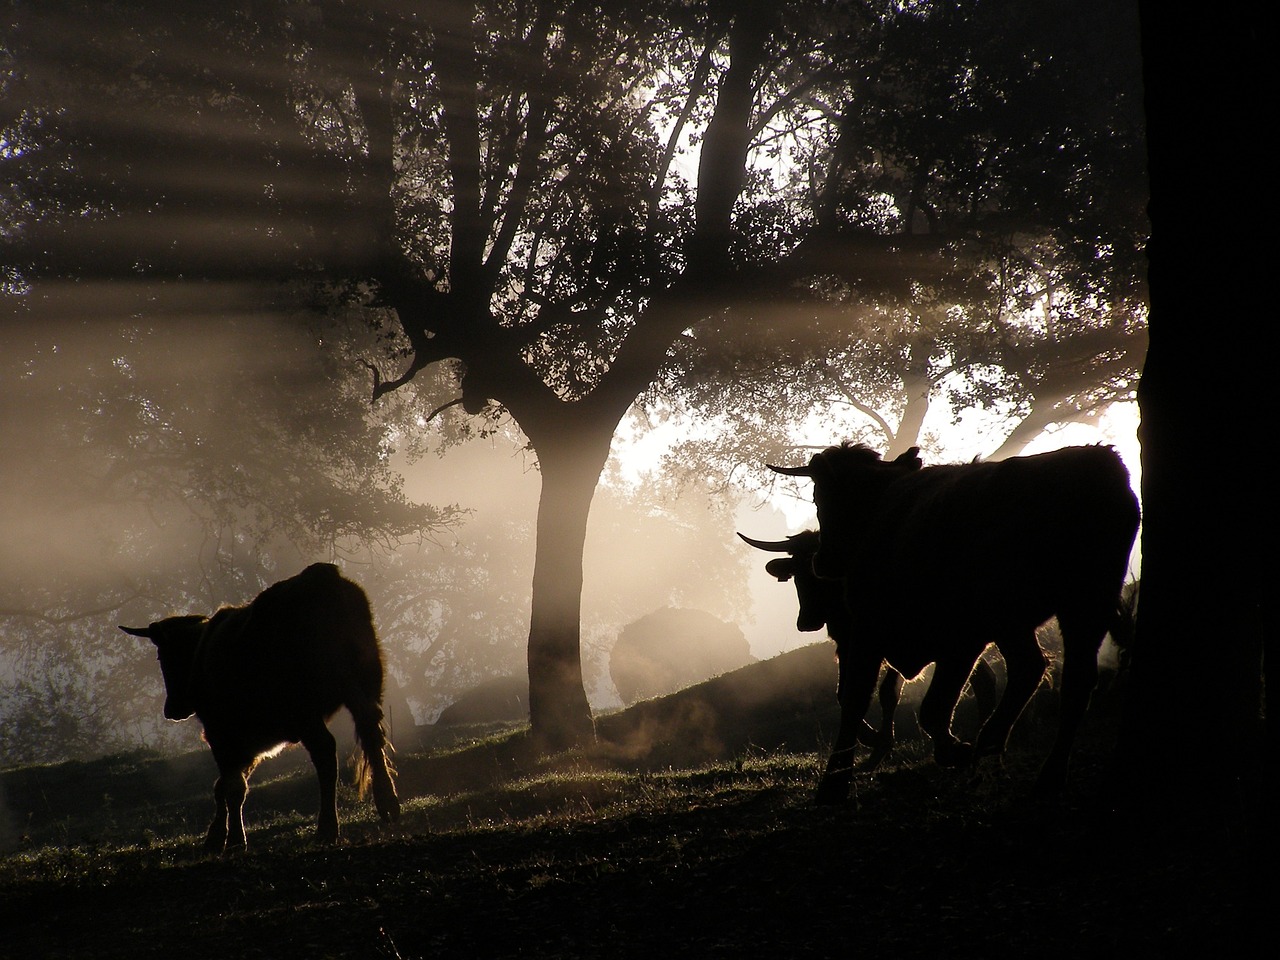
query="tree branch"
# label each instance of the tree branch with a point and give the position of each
(44, 617)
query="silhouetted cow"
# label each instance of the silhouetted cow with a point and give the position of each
(822, 604)
(937, 562)
(271, 673)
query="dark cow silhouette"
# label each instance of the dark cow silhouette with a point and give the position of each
(272, 673)
(938, 562)
(822, 604)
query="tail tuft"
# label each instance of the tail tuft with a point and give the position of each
(373, 769)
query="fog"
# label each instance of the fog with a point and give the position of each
(174, 466)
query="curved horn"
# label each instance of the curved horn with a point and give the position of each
(772, 546)
(804, 471)
(138, 631)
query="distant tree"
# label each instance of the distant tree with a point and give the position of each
(670, 649)
(490, 701)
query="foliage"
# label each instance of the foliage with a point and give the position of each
(167, 468)
(974, 181)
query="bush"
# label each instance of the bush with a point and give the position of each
(670, 649)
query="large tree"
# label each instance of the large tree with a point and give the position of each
(500, 181)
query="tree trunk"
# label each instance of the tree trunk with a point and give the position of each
(570, 466)
(917, 390)
(1194, 740)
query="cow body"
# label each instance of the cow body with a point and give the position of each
(822, 604)
(938, 562)
(273, 673)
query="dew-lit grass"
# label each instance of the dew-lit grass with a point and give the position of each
(502, 852)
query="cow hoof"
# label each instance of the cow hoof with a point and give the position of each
(954, 754)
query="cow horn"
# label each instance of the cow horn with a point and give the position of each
(138, 631)
(804, 471)
(772, 546)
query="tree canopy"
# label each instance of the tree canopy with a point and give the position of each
(885, 194)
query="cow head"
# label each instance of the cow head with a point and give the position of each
(175, 639)
(815, 596)
(848, 482)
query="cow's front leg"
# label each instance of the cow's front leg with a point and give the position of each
(215, 840)
(236, 785)
(324, 755)
(858, 673)
(939, 706)
(881, 741)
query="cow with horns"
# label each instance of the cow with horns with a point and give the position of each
(822, 604)
(272, 673)
(938, 562)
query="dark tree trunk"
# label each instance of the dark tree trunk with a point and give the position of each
(1194, 737)
(570, 463)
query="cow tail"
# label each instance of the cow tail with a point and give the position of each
(373, 768)
(363, 773)
(1125, 617)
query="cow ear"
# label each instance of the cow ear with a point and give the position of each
(138, 632)
(782, 568)
(911, 459)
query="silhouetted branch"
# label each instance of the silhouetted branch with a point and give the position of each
(70, 617)
(442, 408)
(381, 386)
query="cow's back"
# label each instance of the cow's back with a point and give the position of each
(1008, 540)
(304, 646)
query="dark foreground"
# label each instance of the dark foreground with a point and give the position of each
(611, 855)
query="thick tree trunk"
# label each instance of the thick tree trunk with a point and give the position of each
(917, 390)
(558, 709)
(1193, 738)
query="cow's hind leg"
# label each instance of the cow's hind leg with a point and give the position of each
(858, 673)
(1025, 665)
(939, 706)
(374, 769)
(881, 741)
(1080, 643)
(324, 756)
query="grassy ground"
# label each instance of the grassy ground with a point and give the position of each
(689, 830)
